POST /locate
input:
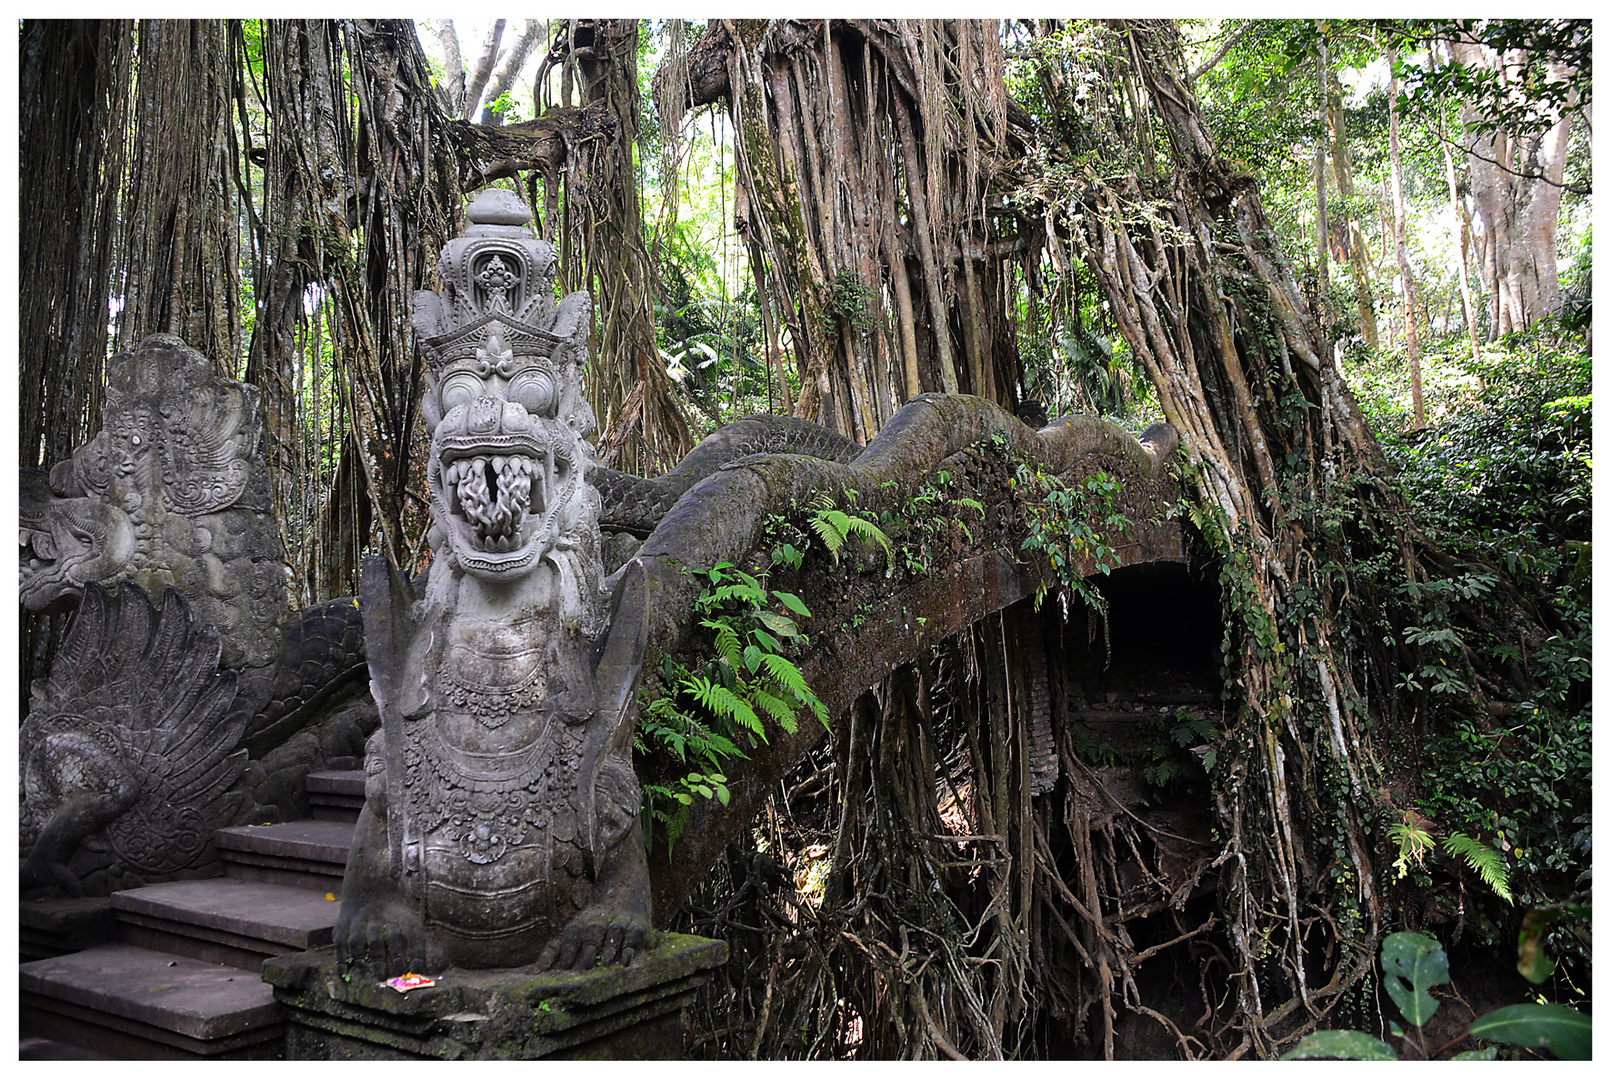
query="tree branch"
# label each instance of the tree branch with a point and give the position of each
(514, 60)
(453, 60)
(483, 68)
(1236, 36)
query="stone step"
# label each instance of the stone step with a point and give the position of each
(308, 854)
(225, 920)
(63, 925)
(140, 1004)
(336, 795)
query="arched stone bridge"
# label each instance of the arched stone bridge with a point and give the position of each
(868, 623)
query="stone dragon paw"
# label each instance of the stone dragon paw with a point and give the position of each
(601, 941)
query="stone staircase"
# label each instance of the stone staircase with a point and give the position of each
(173, 970)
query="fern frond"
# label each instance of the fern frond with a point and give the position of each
(727, 644)
(833, 538)
(721, 701)
(787, 675)
(1484, 860)
(775, 707)
(865, 531)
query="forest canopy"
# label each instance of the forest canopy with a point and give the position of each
(1348, 261)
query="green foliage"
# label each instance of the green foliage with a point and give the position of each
(1413, 841)
(1414, 963)
(1520, 99)
(1070, 525)
(932, 519)
(1503, 477)
(705, 718)
(1411, 965)
(1483, 859)
(1561, 1030)
(848, 299)
(834, 526)
(1168, 757)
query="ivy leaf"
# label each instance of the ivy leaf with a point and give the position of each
(1411, 963)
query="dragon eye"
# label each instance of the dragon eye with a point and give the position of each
(534, 391)
(460, 388)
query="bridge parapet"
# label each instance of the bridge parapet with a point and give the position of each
(871, 615)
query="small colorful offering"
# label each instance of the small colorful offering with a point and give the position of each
(404, 983)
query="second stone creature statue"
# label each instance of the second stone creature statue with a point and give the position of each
(501, 823)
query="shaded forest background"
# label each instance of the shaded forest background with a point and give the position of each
(1350, 262)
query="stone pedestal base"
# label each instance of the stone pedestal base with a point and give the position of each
(630, 1013)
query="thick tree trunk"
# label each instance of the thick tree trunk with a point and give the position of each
(72, 104)
(1515, 183)
(841, 126)
(179, 246)
(1401, 249)
(514, 59)
(608, 256)
(1352, 240)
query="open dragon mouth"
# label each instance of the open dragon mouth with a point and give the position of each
(36, 558)
(497, 496)
(36, 548)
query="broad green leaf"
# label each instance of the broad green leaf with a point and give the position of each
(1532, 961)
(1487, 1053)
(1347, 1045)
(793, 603)
(781, 625)
(1412, 963)
(1564, 1032)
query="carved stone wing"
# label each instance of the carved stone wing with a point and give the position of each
(148, 685)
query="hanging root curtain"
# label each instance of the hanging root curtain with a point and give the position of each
(1319, 567)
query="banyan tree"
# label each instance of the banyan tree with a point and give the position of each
(901, 212)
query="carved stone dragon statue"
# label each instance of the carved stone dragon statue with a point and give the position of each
(172, 493)
(501, 820)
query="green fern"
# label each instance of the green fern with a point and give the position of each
(835, 527)
(746, 686)
(727, 646)
(1487, 862)
(723, 702)
(775, 707)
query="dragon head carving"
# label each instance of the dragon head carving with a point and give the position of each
(505, 409)
(170, 492)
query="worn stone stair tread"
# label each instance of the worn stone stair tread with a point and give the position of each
(348, 782)
(261, 911)
(189, 997)
(313, 839)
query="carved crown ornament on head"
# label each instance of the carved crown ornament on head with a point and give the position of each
(496, 310)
